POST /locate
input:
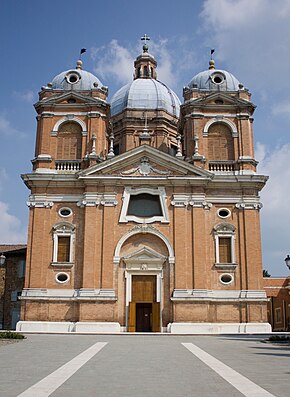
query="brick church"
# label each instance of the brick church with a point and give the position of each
(144, 211)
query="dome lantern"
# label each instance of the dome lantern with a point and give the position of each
(145, 64)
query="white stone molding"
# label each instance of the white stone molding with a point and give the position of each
(218, 328)
(69, 117)
(68, 294)
(39, 204)
(145, 168)
(93, 200)
(219, 295)
(249, 205)
(144, 261)
(130, 191)
(143, 229)
(224, 120)
(185, 200)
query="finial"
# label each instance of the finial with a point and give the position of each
(211, 62)
(145, 46)
(111, 150)
(79, 64)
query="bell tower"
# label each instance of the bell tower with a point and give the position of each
(72, 122)
(216, 122)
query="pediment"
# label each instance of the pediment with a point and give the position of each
(144, 161)
(227, 99)
(144, 254)
(65, 97)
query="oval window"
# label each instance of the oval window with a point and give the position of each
(217, 78)
(62, 277)
(72, 77)
(224, 213)
(226, 278)
(65, 212)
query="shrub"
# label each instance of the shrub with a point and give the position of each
(11, 335)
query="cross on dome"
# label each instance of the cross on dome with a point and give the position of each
(145, 38)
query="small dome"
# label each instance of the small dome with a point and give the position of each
(145, 94)
(75, 79)
(215, 80)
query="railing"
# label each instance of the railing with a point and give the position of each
(221, 166)
(68, 165)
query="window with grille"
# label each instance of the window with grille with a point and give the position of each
(63, 249)
(220, 142)
(69, 142)
(144, 205)
(225, 254)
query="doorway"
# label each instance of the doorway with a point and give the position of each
(143, 317)
(144, 311)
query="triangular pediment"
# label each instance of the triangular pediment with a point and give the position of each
(144, 161)
(144, 254)
(224, 98)
(64, 98)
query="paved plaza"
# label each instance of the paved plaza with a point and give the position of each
(144, 365)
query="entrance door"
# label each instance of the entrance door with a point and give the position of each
(143, 317)
(144, 311)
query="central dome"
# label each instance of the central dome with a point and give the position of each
(147, 94)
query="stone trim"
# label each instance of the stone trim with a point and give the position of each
(189, 295)
(69, 117)
(184, 200)
(221, 119)
(83, 294)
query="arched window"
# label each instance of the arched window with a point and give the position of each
(220, 142)
(69, 141)
(145, 71)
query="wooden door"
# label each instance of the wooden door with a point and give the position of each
(143, 288)
(132, 317)
(156, 317)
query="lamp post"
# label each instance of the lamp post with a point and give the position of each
(2, 259)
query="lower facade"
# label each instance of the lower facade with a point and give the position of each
(144, 309)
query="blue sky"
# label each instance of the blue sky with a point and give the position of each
(251, 38)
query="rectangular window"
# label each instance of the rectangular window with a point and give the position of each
(225, 255)
(63, 249)
(278, 317)
(21, 268)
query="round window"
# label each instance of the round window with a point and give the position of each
(224, 213)
(62, 277)
(226, 278)
(72, 77)
(65, 212)
(217, 78)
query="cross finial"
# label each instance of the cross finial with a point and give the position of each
(145, 38)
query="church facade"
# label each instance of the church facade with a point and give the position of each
(144, 212)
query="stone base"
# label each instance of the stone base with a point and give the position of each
(67, 327)
(219, 328)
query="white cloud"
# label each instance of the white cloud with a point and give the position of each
(113, 61)
(116, 62)
(3, 177)
(281, 108)
(7, 129)
(26, 96)
(253, 37)
(11, 229)
(275, 215)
